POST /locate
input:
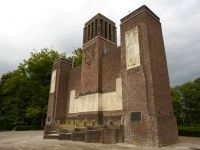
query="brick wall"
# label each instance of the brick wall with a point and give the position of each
(146, 88)
(111, 67)
(91, 72)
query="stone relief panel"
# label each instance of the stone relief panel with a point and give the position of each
(132, 48)
(89, 54)
(53, 81)
(97, 102)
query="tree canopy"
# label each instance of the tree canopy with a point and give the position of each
(77, 56)
(24, 91)
(186, 102)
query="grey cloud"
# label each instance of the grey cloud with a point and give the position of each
(58, 25)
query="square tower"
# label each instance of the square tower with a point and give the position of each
(99, 36)
(147, 105)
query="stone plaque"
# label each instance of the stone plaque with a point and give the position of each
(132, 48)
(135, 116)
(53, 81)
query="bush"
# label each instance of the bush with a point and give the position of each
(27, 128)
(193, 130)
(6, 128)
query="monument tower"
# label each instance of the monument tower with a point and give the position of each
(146, 97)
(118, 93)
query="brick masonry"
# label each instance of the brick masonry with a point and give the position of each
(146, 116)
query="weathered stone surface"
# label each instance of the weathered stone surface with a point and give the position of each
(110, 136)
(65, 136)
(78, 136)
(93, 136)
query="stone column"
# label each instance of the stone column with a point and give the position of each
(98, 27)
(108, 34)
(84, 35)
(112, 33)
(103, 28)
(88, 33)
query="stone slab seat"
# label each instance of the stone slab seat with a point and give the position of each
(78, 136)
(51, 136)
(93, 136)
(50, 132)
(110, 135)
(80, 129)
(65, 136)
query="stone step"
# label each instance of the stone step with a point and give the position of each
(65, 136)
(93, 136)
(50, 132)
(51, 136)
(78, 136)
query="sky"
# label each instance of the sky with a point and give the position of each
(58, 24)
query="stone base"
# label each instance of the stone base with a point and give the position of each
(50, 136)
(110, 136)
(78, 136)
(65, 136)
(93, 136)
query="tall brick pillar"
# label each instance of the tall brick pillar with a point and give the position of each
(57, 103)
(147, 105)
(93, 49)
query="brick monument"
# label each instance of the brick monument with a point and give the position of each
(118, 93)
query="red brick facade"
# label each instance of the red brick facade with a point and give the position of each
(146, 116)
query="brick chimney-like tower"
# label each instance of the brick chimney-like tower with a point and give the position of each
(147, 105)
(99, 37)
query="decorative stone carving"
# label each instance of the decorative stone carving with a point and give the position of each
(53, 81)
(132, 48)
(89, 54)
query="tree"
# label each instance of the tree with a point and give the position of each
(77, 58)
(38, 70)
(14, 98)
(24, 92)
(186, 102)
(178, 105)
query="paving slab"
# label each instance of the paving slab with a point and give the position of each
(33, 140)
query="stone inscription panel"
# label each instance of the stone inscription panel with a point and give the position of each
(97, 102)
(132, 48)
(53, 81)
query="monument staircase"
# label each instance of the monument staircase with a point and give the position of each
(105, 135)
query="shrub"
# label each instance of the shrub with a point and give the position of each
(192, 130)
(27, 128)
(5, 128)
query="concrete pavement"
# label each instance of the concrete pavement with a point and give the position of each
(33, 140)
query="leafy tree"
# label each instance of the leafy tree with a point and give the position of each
(186, 101)
(38, 70)
(77, 58)
(24, 92)
(178, 105)
(13, 98)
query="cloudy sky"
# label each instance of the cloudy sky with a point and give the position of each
(34, 24)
